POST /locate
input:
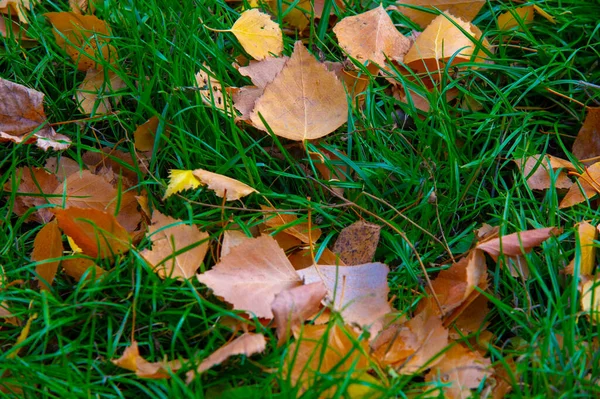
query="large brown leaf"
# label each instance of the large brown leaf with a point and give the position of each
(357, 243)
(34, 181)
(47, 245)
(536, 169)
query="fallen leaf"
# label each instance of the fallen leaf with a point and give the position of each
(10, 29)
(586, 235)
(462, 369)
(590, 299)
(93, 94)
(131, 360)
(61, 167)
(231, 239)
(246, 344)
(261, 73)
(251, 275)
(587, 143)
(303, 258)
(517, 243)
(176, 252)
(371, 36)
(77, 267)
(33, 181)
(180, 180)
(119, 163)
(293, 306)
(211, 90)
(304, 101)
(540, 11)
(359, 293)
(258, 35)
(223, 186)
(464, 9)
(357, 243)
(97, 233)
(514, 18)
(471, 319)
(536, 169)
(15, 8)
(23, 120)
(296, 16)
(47, 245)
(287, 224)
(588, 187)
(502, 377)
(22, 337)
(81, 6)
(145, 134)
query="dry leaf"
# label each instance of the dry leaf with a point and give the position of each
(175, 251)
(47, 245)
(471, 319)
(61, 167)
(295, 305)
(517, 243)
(586, 236)
(297, 16)
(97, 233)
(22, 114)
(231, 239)
(360, 292)
(223, 186)
(81, 6)
(588, 187)
(211, 90)
(244, 100)
(145, 134)
(246, 344)
(180, 180)
(15, 8)
(77, 267)
(33, 181)
(371, 36)
(120, 164)
(10, 29)
(514, 18)
(303, 258)
(263, 72)
(587, 143)
(258, 35)
(304, 101)
(536, 170)
(590, 299)
(357, 243)
(93, 94)
(464, 9)
(463, 369)
(251, 275)
(300, 231)
(131, 360)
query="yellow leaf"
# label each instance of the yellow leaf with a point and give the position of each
(131, 360)
(180, 180)
(586, 237)
(590, 299)
(539, 10)
(296, 17)
(259, 36)
(15, 8)
(465, 9)
(23, 336)
(74, 247)
(512, 19)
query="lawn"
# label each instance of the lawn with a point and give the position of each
(430, 179)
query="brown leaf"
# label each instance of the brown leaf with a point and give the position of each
(296, 17)
(517, 243)
(251, 275)
(97, 233)
(175, 251)
(297, 230)
(536, 169)
(463, 369)
(464, 9)
(261, 73)
(145, 134)
(223, 186)
(15, 8)
(93, 94)
(359, 292)
(295, 305)
(304, 101)
(246, 344)
(471, 319)
(244, 100)
(131, 360)
(588, 187)
(303, 258)
(120, 163)
(22, 114)
(590, 299)
(587, 143)
(47, 245)
(357, 243)
(77, 267)
(371, 36)
(33, 181)
(62, 168)
(231, 239)
(586, 236)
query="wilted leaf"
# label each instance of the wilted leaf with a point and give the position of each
(251, 275)
(587, 143)
(298, 230)
(371, 36)
(304, 101)
(98, 233)
(223, 186)
(175, 251)
(303, 258)
(536, 170)
(77, 267)
(22, 114)
(15, 8)
(33, 181)
(588, 187)
(131, 360)
(246, 344)
(231, 239)
(463, 369)
(93, 94)
(258, 35)
(47, 245)
(464, 9)
(357, 243)
(180, 180)
(590, 299)
(293, 306)
(587, 234)
(360, 292)
(514, 18)
(517, 243)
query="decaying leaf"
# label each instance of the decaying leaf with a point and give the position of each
(462, 369)
(293, 306)
(517, 243)
(259, 36)
(471, 318)
(34, 181)
(514, 18)
(287, 224)
(371, 36)
(587, 234)
(251, 275)
(131, 360)
(177, 249)
(47, 245)
(97, 87)
(587, 187)
(360, 292)
(180, 180)
(357, 243)
(97, 233)
(211, 90)
(22, 118)
(536, 169)
(223, 186)
(464, 9)
(304, 101)
(587, 143)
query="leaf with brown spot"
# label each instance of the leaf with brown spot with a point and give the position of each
(47, 245)
(536, 169)
(251, 275)
(131, 360)
(357, 243)
(587, 143)
(22, 117)
(465, 9)
(97, 233)
(177, 249)
(517, 243)
(212, 91)
(33, 181)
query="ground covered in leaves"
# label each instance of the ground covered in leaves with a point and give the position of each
(315, 198)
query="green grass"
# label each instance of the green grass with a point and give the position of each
(464, 157)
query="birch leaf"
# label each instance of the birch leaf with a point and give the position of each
(586, 188)
(258, 34)
(464, 9)
(514, 244)
(223, 186)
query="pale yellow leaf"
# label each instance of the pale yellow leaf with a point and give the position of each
(95, 91)
(513, 18)
(464, 9)
(258, 34)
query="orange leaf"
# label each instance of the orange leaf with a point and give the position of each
(145, 134)
(15, 8)
(77, 267)
(517, 243)
(588, 187)
(357, 243)
(47, 245)
(587, 143)
(464, 9)
(297, 230)
(97, 233)
(536, 170)
(513, 18)
(131, 360)
(10, 29)
(33, 181)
